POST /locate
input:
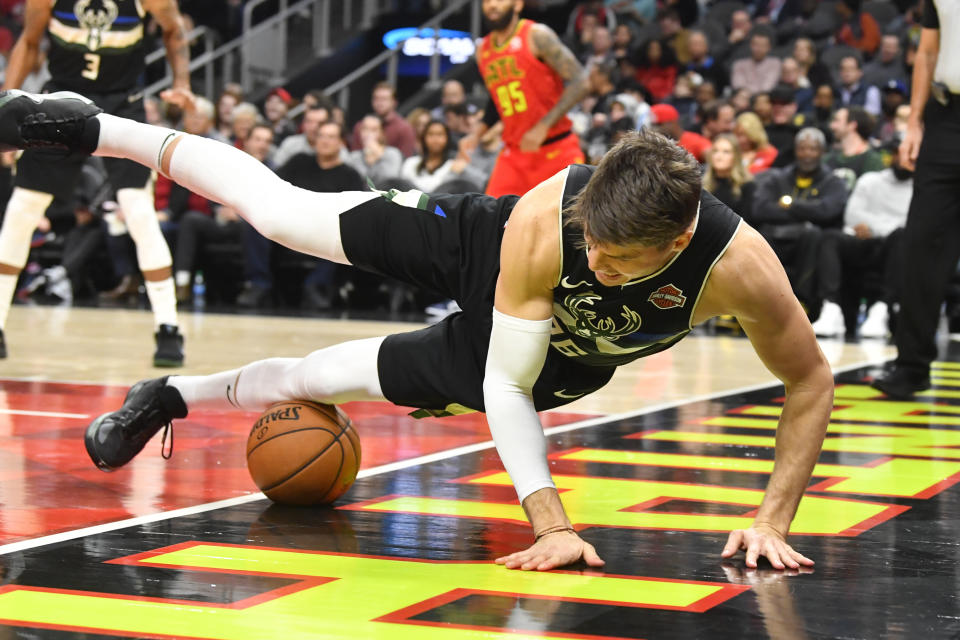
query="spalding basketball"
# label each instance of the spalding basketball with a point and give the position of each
(303, 453)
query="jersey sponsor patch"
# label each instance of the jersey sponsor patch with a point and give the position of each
(667, 297)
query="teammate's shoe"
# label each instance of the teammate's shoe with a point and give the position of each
(115, 438)
(60, 119)
(830, 324)
(169, 351)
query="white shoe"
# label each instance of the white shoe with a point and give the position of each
(876, 324)
(830, 323)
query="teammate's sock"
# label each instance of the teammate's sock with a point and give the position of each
(8, 285)
(163, 301)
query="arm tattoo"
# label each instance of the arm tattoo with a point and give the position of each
(547, 47)
(175, 42)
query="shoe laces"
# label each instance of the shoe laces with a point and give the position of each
(165, 453)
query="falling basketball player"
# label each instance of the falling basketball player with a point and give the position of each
(595, 268)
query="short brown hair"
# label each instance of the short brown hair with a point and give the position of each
(645, 190)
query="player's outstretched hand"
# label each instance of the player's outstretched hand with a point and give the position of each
(761, 540)
(180, 97)
(553, 551)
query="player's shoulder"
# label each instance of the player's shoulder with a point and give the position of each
(532, 234)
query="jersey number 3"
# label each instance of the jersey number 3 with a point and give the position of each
(511, 99)
(92, 69)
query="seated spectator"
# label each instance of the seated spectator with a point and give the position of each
(853, 91)
(231, 96)
(784, 124)
(726, 178)
(852, 127)
(397, 130)
(760, 71)
(793, 205)
(822, 114)
(623, 41)
(666, 120)
(800, 85)
(758, 153)
(305, 141)
(740, 101)
(589, 13)
(888, 65)
(275, 109)
(458, 120)
(600, 78)
(436, 165)
(601, 48)
(636, 12)
(700, 62)
(451, 93)
(858, 29)
(868, 244)
(760, 104)
(656, 69)
(418, 119)
(740, 27)
(201, 120)
(673, 36)
(376, 161)
(245, 115)
(805, 54)
(894, 97)
(718, 117)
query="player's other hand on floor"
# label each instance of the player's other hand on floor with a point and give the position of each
(761, 540)
(553, 551)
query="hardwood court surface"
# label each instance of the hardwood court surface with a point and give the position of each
(654, 469)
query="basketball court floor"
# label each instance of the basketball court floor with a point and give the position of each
(655, 469)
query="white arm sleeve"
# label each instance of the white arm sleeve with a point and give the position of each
(518, 349)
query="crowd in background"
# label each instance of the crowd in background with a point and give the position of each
(794, 108)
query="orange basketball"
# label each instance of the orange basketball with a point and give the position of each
(303, 453)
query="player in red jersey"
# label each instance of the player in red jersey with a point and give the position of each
(534, 80)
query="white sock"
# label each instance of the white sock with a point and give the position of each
(8, 286)
(163, 301)
(337, 374)
(123, 138)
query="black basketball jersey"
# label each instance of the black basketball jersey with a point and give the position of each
(96, 46)
(610, 326)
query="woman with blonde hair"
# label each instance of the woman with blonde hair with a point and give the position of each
(758, 153)
(726, 177)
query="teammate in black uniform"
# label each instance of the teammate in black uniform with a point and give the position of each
(590, 269)
(96, 48)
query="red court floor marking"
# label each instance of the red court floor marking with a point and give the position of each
(49, 485)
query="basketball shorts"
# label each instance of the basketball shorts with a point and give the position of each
(517, 172)
(448, 244)
(56, 171)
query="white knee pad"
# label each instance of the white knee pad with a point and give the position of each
(24, 211)
(141, 218)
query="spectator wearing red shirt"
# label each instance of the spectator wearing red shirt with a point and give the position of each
(666, 119)
(656, 69)
(858, 29)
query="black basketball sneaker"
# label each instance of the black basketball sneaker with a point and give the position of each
(169, 351)
(63, 119)
(115, 438)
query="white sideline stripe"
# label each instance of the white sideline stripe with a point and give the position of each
(45, 414)
(23, 545)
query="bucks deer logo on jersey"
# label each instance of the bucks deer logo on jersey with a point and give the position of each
(95, 16)
(588, 324)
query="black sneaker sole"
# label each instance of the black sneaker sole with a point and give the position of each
(89, 439)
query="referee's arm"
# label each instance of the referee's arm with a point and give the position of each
(923, 67)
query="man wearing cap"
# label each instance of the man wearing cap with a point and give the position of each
(275, 108)
(785, 122)
(666, 119)
(932, 233)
